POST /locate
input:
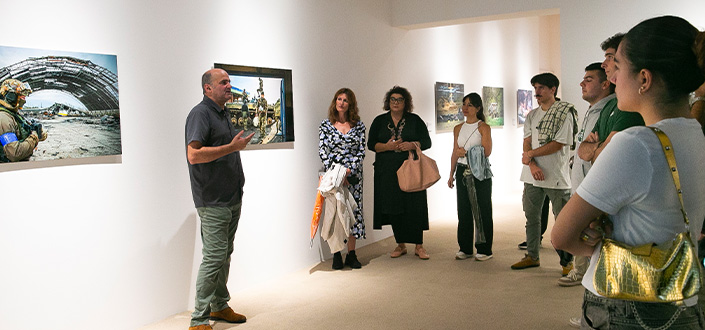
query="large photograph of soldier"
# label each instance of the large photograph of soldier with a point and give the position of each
(57, 105)
(493, 101)
(449, 103)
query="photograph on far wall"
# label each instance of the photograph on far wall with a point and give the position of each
(71, 97)
(493, 99)
(525, 103)
(261, 103)
(449, 102)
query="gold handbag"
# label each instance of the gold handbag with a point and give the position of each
(651, 273)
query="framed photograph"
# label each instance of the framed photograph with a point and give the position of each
(262, 103)
(493, 99)
(449, 102)
(72, 99)
(525, 102)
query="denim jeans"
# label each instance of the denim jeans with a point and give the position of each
(605, 313)
(218, 226)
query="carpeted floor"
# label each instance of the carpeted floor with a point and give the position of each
(409, 293)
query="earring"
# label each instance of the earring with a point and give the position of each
(641, 89)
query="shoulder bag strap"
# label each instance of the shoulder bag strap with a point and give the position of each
(671, 159)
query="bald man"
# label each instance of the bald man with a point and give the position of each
(213, 153)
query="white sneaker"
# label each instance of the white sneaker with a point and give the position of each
(462, 255)
(572, 279)
(482, 257)
(574, 322)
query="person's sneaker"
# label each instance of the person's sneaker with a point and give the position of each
(351, 260)
(462, 255)
(574, 322)
(482, 257)
(572, 279)
(566, 269)
(338, 261)
(526, 262)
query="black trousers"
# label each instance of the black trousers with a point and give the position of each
(466, 225)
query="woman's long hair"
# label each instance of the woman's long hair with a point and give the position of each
(352, 116)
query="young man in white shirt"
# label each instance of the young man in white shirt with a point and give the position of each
(549, 133)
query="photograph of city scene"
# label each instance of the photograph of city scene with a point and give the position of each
(256, 107)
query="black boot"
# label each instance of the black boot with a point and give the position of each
(338, 261)
(351, 260)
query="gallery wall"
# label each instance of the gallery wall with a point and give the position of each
(120, 242)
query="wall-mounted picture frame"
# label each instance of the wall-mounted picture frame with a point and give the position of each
(525, 102)
(449, 102)
(72, 98)
(493, 99)
(262, 103)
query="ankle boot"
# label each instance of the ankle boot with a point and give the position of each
(338, 261)
(351, 260)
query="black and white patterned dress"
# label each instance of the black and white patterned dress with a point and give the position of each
(349, 151)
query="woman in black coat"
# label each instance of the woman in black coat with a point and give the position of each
(392, 135)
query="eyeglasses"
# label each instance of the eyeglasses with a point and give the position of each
(396, 100)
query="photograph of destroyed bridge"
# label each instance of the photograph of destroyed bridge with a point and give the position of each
(74, 98)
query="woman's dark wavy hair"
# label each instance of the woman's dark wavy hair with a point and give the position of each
(672, 49)
(408, 102)
(476, 101)
(352, 116)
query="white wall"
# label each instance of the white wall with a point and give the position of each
(83, 244)
(467, 53)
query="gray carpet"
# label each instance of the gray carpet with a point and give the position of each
(409, 293)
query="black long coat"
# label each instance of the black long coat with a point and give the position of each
(390, 202)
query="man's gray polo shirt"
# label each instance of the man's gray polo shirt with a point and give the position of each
(220, 182)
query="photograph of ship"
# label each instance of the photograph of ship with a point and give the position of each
(74, 97)
(449, 102)
(261, 103)
(525, 103)
(493, 99)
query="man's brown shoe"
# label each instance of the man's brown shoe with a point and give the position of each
(527, 262)
(228, 315)
(201, 327)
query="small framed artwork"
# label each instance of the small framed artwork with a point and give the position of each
(525, 103)
(449, 102)
(493, 99)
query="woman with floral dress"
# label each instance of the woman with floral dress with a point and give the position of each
(341, 140)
